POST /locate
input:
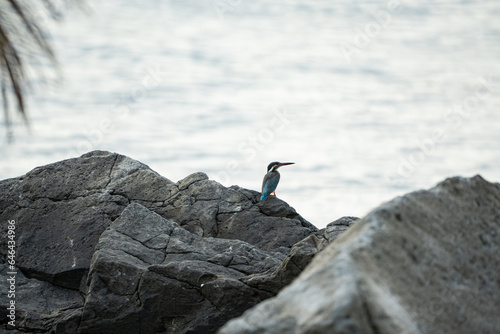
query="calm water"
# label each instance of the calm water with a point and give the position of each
(369, 99)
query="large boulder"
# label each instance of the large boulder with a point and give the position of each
(427, 262)
(62, 209)
(69, 219)
(149, 275)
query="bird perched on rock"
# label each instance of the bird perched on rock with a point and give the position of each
(272, 178)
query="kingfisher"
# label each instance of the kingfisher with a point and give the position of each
(272, 178)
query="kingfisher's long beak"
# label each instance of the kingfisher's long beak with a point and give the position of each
(286, 163)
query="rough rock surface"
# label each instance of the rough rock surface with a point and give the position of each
(162, 276)
(299, 257)
(74, 239)
(427, 262)
(39, 305)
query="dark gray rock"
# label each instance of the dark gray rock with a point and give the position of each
(299, 257)
(61, 210)
(39, 305)
(427, 262)
(74, 239)
(162, 277)
(206, 208)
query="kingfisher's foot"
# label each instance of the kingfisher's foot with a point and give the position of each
(274, 194)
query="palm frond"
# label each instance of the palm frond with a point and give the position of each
(20, 36)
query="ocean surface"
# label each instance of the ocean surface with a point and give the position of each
(370, 99)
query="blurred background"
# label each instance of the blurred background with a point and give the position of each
(370, 99)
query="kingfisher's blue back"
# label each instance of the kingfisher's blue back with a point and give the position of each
(269, 184)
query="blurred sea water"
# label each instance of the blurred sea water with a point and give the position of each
(370, 99)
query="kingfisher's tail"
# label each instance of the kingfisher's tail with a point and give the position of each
(264, 196)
